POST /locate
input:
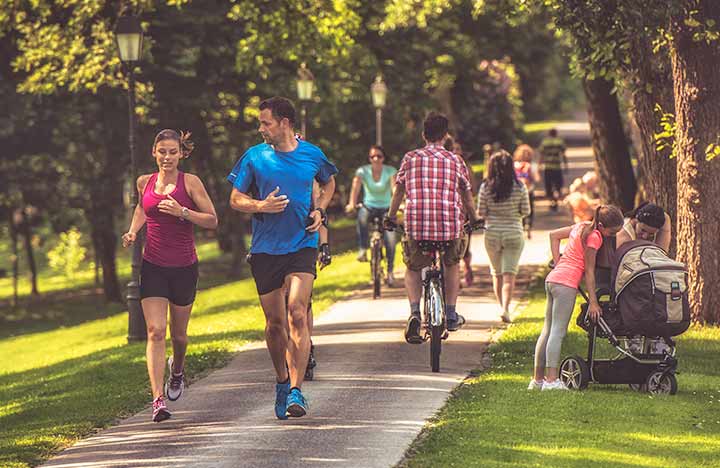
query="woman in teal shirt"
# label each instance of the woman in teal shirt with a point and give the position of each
(378, 183)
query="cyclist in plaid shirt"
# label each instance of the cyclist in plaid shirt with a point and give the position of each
(437, 185)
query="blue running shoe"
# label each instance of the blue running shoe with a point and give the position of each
(282, 391)
(296, 404)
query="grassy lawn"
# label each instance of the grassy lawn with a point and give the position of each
(57, 392)
(543, 126)
(493, 421)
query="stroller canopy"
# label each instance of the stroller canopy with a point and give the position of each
(651, 291)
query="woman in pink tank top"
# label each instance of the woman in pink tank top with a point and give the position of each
(171, 203)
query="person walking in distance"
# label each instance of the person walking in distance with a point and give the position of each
(171, 202)
(280, 174)
(554, 161)
(467, 258)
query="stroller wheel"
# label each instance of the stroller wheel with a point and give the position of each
(642, 388)
(575, 373)
(662, 383)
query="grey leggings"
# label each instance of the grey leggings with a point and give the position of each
(559, 309)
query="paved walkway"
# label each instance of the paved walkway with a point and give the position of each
(372, 395)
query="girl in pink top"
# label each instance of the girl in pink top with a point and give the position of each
(171, 203)
(584, 240)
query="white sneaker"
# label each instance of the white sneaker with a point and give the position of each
(175, 384)
(535, 385)
(554, 385)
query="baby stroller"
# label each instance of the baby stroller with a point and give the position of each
(644, 301)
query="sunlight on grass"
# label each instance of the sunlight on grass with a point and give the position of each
(544, 126)
(46, 397)
(493, 421)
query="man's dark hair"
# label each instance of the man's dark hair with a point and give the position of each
(553, 132)
(281, 108)
(435, 127)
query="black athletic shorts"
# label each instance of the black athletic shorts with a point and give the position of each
(177, 284)
(270, 271)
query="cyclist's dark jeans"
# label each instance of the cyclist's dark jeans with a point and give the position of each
(363, 226)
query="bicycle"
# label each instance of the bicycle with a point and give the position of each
(433, 319)
(376, 238)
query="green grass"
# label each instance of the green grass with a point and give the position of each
(56, 391)
(493, 421)
(543, 126)
(49, 281)
(478, 168)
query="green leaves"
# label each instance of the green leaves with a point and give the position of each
(665, 137)
(713, 150)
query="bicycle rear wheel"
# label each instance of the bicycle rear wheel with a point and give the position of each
(376, 270)
(436, 322)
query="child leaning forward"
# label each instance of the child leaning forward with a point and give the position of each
(561, 284)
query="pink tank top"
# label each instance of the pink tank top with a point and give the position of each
(170, 240)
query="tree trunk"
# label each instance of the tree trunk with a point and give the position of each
(101, 219)
(610, 144)
(14, 242)
(97, 266)
(26, 232)
(654, 87)
(697, 110)
(239, 247)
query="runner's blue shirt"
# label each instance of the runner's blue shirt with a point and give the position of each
(262, 168)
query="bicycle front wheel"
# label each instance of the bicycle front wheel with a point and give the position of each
(376, 270)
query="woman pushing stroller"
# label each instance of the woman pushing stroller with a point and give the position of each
(578, 259)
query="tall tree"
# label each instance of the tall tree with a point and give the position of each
(695, 62)
(610, 144)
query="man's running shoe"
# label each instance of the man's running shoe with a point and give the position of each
(281, 398)
(455, 323)
(175, 383)
(160, 410)
(412, 330)
(312, 363)
(296, 404)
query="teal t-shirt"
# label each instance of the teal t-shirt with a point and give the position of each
(377, 194)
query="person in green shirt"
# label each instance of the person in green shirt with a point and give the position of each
(553, 160)
(378, 182)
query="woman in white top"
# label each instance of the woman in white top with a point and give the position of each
(503, 203)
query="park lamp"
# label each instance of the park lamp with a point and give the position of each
(379, 92)
(305, 83)
(129, 37)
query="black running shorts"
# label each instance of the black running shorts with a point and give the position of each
(177, 284)
(270, 271)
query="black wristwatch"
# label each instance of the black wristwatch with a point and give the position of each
(323, 215)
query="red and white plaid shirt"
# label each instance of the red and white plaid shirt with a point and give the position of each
(433, 179)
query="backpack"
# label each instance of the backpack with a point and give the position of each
(651, 290)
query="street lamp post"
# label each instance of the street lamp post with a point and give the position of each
(379, 95)
(129, 37)
(305, 84)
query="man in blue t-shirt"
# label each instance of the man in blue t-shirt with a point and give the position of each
(274, 182)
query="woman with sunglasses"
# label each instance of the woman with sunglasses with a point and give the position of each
(378, 182)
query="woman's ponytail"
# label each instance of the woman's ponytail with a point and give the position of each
(608, 216)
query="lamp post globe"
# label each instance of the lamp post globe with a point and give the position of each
(378, 91)
(305, 88)
(129, 39)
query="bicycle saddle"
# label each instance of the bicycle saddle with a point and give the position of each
(433, 246)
